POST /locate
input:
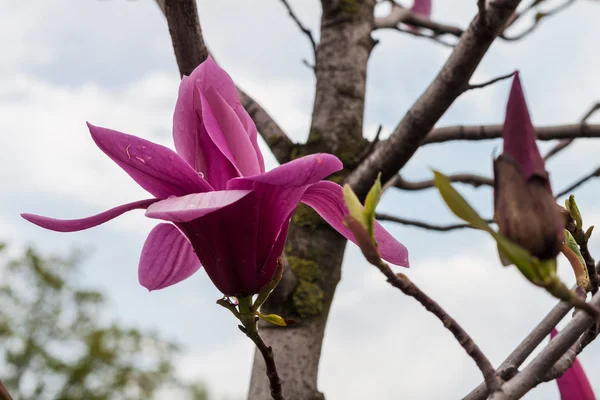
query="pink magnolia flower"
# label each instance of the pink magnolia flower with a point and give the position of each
(422, 7)
(573, 384)
(220, 206)
(525, 209)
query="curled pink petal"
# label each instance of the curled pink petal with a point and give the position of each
(300, 172)
(192, 206)
(327, 199)
(72, 225)
(228, 133)
(574, 384)
(156, 168)
(167, 258)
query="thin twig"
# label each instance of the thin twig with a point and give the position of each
(431, 36)
(537, 20)
(490, 82)
(407, 287)
(594, 174)
(469, 179)
(304, 29)
(371, 145)
(527, 346)
(564, 143)
(422, 224)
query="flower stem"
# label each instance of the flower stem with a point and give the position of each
(250, 328)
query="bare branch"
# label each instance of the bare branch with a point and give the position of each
(564, 143)
(527, 346)
(190, 51)
(490, 82)
(400, 15)
(469, 179)
(487, 132)
(533, 374)
(304, 29)
(422, 224)
(186, 34)
(431, 36)
(575, 185)
(437, 98)
(279, 143)
(407, 287)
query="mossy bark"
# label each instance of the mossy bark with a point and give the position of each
(314, 251)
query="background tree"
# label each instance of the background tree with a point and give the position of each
(59, 344)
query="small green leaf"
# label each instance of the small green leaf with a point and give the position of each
(457, 204)
(588, 233)
(265, 292)
(354, 207)
(573, 210)
(273, 318)
(370, 204)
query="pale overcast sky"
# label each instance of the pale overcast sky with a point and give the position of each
(111, 63)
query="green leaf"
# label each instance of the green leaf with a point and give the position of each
(273, 318)
(354, 207)
(588, 233)
(573, 210)
(457, 204)
(370, 204)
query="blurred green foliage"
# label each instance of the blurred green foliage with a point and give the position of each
(57, 342)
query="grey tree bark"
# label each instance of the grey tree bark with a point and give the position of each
(314, 252)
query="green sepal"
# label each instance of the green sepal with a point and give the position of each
(229, 306)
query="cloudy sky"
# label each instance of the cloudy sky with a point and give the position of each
(111, 63)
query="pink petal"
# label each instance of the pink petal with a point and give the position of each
(227, 132)
(186, 134)
(574, 384)
(156, 168)
(167, 258)
(186, 124)
(327, 199)
(300, 172)
(72, 225)
(519, 134)
(211, 75)
(192, 206)
(226, 244)
(422, 7)
(252, 134)
(270, 266)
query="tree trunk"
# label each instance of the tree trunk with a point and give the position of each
(314, 251)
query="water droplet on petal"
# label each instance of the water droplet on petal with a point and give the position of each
(201, 175)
